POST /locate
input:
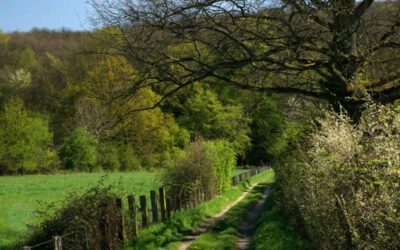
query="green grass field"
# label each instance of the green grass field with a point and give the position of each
(20, 196)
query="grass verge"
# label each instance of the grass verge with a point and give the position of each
(169, 234)
(274, 230)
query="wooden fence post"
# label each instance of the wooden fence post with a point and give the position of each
(57, 241)
(133, 213)
(143, 208)
(26, 248)
(162, 203)
(168, 208)
(121, 223)
(154, 209)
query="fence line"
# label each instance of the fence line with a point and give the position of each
(161, 206)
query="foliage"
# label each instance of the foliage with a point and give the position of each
(95, 210)
(205, 115)
(108, 157)
(128, 158)
(25, 140)
(223, 159)
(344, 188)
(275, 231)
(267, 131)
(262, 46)
(193, 171)
(205, 165)
(287, 141)
(19, 204)
(4, 38)
(27, 59)
(149, 133)
(79, 151)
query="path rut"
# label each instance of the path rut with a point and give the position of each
(248, 225)
(188, 240)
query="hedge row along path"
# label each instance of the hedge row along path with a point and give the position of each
(246, 228)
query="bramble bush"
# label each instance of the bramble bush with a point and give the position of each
(343, 184)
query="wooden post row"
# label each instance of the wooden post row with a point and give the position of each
(121, 222)
(133, 213)
(154, 211)
(143, 208)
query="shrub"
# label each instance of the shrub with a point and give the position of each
(79, 151)
(128, 158)
(95, 210)
(25, 140)
(192, 171)
(223, 159)
(205, 165)
(109, 157)
(344, 185)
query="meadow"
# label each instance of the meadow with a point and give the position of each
(21, 196)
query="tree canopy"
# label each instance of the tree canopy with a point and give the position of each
(338, 51)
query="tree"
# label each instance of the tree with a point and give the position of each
(106, 110)
(79, 151)
(339, 51)
(204, 114)
(25, 140)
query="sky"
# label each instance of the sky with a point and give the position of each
(23, 15)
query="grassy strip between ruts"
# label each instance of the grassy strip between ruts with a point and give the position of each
(275, 232)
(168, 235)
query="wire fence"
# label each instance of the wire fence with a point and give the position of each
(76, 240)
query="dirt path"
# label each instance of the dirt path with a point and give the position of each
(248, 225)
(188, 240)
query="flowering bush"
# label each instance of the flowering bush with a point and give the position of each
(344, 186)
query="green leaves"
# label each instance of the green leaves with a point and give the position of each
(204, 114)
(79, 151)
(25, 140)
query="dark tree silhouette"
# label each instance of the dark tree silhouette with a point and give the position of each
(341, 51)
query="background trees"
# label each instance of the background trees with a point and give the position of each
(90, 108)
(25, 140)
